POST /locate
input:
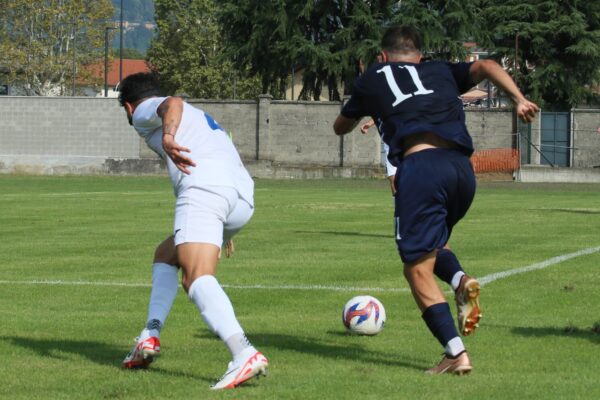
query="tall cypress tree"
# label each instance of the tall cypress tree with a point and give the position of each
(556, 44)
(330, 39)
(324, 38)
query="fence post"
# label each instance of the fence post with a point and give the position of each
(344, 101)
(263, 114)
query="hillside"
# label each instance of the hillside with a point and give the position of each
(139, 24)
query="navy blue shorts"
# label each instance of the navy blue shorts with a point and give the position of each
(435, 188)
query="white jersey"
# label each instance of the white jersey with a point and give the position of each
(217, 161)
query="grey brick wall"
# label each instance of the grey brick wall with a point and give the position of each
(489, 128)
(586, 138)
(62, 134)
(91, 135)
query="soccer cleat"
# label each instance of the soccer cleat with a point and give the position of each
(467, 303)
(242, 369)
(459, 365)
(142, 353)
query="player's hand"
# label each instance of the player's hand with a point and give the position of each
(229, 249)
(526, 110)
(364, 128)
(174, 151)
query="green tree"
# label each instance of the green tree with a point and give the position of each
(329, 39)
(40, 40)
(557, 45)
(444, 24)
(128, 53)
(272, 37)
(187, 52)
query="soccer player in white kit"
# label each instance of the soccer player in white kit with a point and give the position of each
(215, 199)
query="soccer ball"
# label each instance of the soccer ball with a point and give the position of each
(364, 315)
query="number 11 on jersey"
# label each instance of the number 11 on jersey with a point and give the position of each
(393, 85)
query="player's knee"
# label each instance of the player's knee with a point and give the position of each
(421, 268)
(166, 253)
(188, 277)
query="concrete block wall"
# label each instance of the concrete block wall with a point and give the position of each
(585, 129)
(55, 135)
(63, 134)
(490, 128)
(301, 133)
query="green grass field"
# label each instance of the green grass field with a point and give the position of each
(75, 275)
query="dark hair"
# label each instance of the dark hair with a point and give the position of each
(401, 39)
(138, 86)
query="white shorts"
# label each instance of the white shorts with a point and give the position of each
(210, 214)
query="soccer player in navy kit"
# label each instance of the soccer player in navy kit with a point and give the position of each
(417, 108)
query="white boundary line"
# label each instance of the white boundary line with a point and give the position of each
(265, 287)
(483, 280)
(541, 265)
(69, 194)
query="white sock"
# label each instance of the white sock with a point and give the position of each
(454, 347)
(215, 307)
(456, 280)
(237, 344)
(165, 283)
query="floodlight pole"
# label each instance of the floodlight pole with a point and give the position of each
(121, 46)
(106, 59)
(516, 64)
(515, 77)
(74, 62)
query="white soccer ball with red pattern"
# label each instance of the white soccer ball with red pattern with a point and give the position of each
(364, 315)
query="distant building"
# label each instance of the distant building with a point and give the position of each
(97, 70)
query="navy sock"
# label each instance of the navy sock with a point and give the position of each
(446, 265)
(439, 321)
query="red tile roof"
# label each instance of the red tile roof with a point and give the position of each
(129, 67)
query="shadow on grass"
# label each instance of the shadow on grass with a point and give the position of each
(377, 235)
(337, 351)
(97, 352)
(567, 331)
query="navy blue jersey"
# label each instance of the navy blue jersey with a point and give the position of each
(406, 98)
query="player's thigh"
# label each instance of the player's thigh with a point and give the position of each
(199, 217)
(196, 260)
(240, 215)
(421, 205)
(461, 190)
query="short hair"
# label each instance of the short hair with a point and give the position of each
(139, 86)
(401, 39)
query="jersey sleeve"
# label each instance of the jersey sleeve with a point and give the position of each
(460, 72)
(355, 107)
(145, 117)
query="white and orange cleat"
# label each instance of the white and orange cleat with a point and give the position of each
(459, 365)
(142, 353)
(467, 303)
(249, 364)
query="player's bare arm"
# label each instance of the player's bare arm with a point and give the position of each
(170, 111)
(489, 69)
(343, 125)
